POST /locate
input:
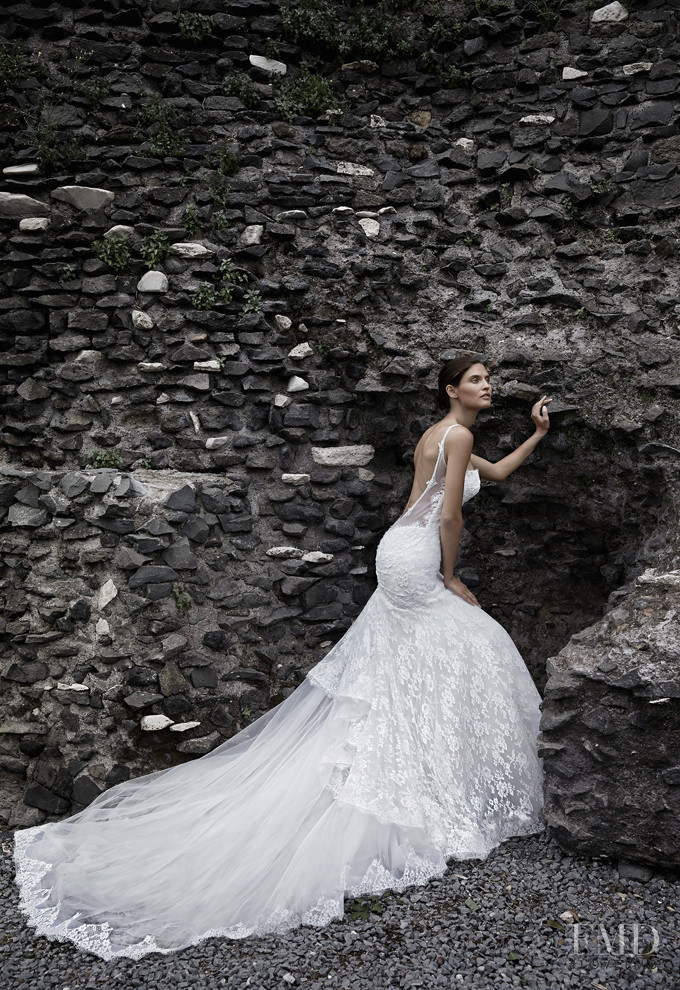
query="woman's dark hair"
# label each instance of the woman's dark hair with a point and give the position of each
(451, 374)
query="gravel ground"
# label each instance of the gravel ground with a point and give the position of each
(482, 925)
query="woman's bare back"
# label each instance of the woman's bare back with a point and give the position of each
(425, 458)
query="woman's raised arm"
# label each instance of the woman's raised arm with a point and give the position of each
(499, 470)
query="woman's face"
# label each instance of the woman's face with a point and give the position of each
(474, 389)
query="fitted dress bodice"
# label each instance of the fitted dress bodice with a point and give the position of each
(408, 557)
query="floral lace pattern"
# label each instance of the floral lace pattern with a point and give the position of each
(412, 742)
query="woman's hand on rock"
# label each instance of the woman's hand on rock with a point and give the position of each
(539, 415)
(460, 589)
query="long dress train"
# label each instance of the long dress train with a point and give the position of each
(412, 742)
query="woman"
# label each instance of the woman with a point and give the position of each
(410, 743)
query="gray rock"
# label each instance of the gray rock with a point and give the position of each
(18, 205)
(180, 555)
(139, 700)
(201, 745)
(24, 515)
(152, 574)
(83, 197)
(73, 484)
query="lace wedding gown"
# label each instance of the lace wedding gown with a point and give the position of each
(412, 742)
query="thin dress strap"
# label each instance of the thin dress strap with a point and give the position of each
(421, 503)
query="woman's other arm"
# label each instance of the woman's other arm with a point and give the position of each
(500, 470)
(457, 449)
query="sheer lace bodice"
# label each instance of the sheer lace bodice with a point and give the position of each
(412, 742)
(427, 507)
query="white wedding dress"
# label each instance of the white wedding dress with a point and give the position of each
(412, 742)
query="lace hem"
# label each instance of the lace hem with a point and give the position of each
(98, 938)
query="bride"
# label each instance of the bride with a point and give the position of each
(411, 743)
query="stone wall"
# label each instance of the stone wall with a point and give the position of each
(221, 327)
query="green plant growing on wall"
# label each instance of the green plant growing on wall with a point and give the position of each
(67, 273)
(53, 149)
(107, 459)
(240, 85)
(16, 65)
(95, 90)
(164, 124)
(219, 220)
(221, 290)
(223, 160)
(191, 219)
(548, 12)
(113, 251)
(192, 26)
(218, 192)
(374, 32)
(308, 95)
(252, 303)
(183, 600)
(155, 248)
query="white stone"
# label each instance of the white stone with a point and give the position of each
(283, 322)
(377, 120)
(534, 119)
(296, 384)
(568, 917)
(285, 553)
(214, 443)
(154, 723)
(191, 249)
(358, 455)
(162, 399)
(613, 13)
(18, 205)
(465, 144)
(268, 65)
(95, 356)
(386, 209)
(153, 282)
(371, 214)
(568, 72)
(343, 211)
(107, 593)
(102, 628)
(213, 365)
(151, 366)
(365, 475)
(317, 557)
(295, 479)
(83, 197)
(28, 169)
(652, 576)
(251, 235)
(184, 726)
(351, 168)
(141, 320)
(634, 68)
(300, 351)
(120, 230)
(292, 215)
(281, 401)
(63, 686)
(193, 416)
(370, 227)
(34, 223)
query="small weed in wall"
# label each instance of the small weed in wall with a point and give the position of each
(67, 273)
(252, 303)
(192, 26)
(240, 85)
(183, 600)
(113, 251)
(107, 459)
(155, 248)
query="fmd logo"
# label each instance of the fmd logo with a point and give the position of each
(633, 939)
